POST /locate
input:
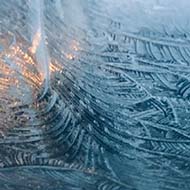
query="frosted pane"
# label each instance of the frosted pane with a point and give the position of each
(94, 94)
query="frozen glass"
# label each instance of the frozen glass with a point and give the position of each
(94, 95)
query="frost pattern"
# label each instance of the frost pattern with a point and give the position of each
(111, 111)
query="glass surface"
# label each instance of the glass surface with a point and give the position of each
(94, 94)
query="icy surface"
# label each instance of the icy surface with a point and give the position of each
(94, 94)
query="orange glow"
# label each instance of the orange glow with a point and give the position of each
(35, 42)
(55, 67)
(23, 63)
(6, 80)
(69, 56)
(75, 45)
(17, 51)
(22, 60)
